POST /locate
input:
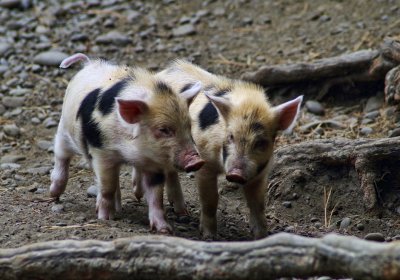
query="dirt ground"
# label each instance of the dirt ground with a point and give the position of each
(225, 37)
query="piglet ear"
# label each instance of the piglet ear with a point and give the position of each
(222, 104)
(286, 113)
(131, 110)
(191, 92)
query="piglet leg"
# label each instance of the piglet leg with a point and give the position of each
(62, 158)
(208, 190)
(255, 194)
(137, 184)
(153, 184)
(175, 195)
(108, 181)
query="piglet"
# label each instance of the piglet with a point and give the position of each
(234, 127)
(114, 115)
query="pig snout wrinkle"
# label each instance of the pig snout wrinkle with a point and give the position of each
(194, 164)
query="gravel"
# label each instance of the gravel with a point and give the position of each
(50, 58)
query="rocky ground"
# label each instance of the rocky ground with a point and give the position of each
(225, 37)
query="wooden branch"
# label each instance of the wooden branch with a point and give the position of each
(366, 156)
(363, 70)
(161, 257)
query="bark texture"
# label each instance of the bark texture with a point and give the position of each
(160, 257)
(376, 161)
(359, 69)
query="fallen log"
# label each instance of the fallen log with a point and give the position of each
(376, 162)
(162, 257)
(359, 69)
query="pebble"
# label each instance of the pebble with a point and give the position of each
(366, 130)
(10, 166)
(181, 228)
(366, 121)
(115, 38)
(43, 170)
(375, 236)
(315, 107)
(11, 130)
(314, 219)
(10, 3)
(287, 204)
(184, 219)
(50, 58)
(92, 191)
(184, 30)
(324, 278)
(13, 101)
(373, 104)
(395, 132)
(20, 91)
(289, 229)
(4, 48)
(372, 115)
(57, 208)
(41, 191)
(360, 226)
(49, 123)
(345, 223)
(44, 144)
(12, 158)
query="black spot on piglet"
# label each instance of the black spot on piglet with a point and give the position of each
(208, 116)
(107, 99)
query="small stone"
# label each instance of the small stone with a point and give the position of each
(314, 219)
(184, 219)
(360, 226)
(92, 191)
(184, 30)
(11, 130)
(12, 158)
(366, 121)
(13, 102)
(315, 107)
(287, 204)
(49, 123)
(79, 37)
(43, 170)
(182, 228)
(372, 115)
(4, 48)
(318, 224)
(44, 144)
(366, 130)
(10, 166)
(2, 109)
(61, 224)
(115, 38)
(20, 91)
(132, 16)
(41, 191)
(345, 223)
(374, 103)
(375, 236)
(395, 132)
(289, 229)
(10, 3)
(396, 237)
(57, 208)
(324, 278)
(50, 58)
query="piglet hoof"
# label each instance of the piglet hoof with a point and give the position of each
(138, 193)
(259, 232)
(56, 189)
(164, 230)
(105, 210)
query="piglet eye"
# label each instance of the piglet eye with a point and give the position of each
(166, 132)
(261, 144)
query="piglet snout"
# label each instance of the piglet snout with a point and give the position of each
(192, 162)
(236, 175)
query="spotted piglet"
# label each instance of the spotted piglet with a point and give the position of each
(234, 127)
(114, 115)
